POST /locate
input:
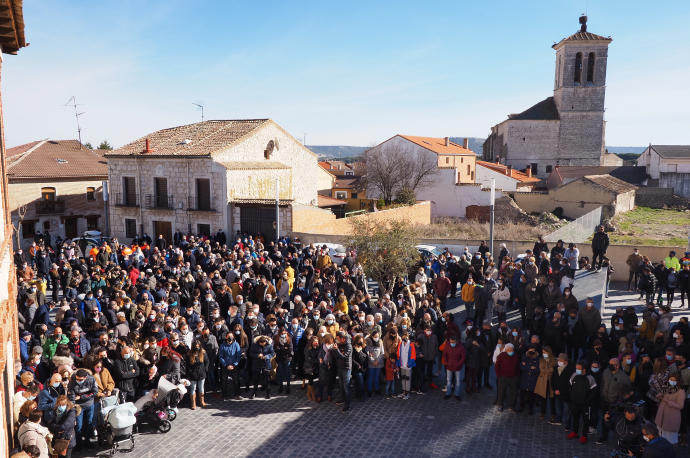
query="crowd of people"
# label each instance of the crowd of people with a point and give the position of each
(247, 317)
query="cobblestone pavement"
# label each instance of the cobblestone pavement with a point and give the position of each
(424, 425)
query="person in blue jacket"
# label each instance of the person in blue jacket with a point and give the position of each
(229, 356)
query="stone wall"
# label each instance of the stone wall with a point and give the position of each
(73, 193)
(288, 151)
(181, 175)
(309, 220)
(680, 182)
(528, 142)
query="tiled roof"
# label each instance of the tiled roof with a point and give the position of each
(438, 145)
(199, 139)
(544, 110)
(346, 182)
(12, 25)
(55, 159)
(611, 183)
(673, 151)
(522, 177)
(325, 201)
(628, 173)
(253, 165)
(583, 36)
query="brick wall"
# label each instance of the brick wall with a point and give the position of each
(316, 221)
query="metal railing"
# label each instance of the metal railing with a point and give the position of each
(126, 200)
(194, 203)
(577, 231)
(160, 202)
(50, 207)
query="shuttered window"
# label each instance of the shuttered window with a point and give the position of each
(203, 193)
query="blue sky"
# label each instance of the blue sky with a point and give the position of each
(351, 73)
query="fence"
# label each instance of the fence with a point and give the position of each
(577, 231)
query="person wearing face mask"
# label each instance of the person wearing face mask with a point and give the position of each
(210, 346)
(507, 370)
(61, 423)
(376, 359)
(561, 389)
(195, 371)
(668, 415)
(582, 394)
(33, 436)
(261, 353)
(656, 446)
(126, 372)
(406, 357)
(52, 342)
(427, 355)
(543, 389)
(282, 345)
(229, 357)
(47, 397)
(614, 385)
(332, 327)
(81, 390)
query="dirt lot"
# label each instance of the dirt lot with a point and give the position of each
(472, 230)
(651, 226)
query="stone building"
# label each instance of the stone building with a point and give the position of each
(668, 166)
(581, 196)
(58, 186)
(567, 128)
(210, 176)
(11, 40)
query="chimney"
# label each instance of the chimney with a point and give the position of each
(528, 171)
(466, 143)
(447, 141)
(148, 147)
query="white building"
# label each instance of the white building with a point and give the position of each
(670, 165)
(210, 176)
(505, 177)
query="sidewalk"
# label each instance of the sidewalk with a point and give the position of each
(619, 296)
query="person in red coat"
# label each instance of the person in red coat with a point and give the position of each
(442, 287)
(508, 375)
(453, 358)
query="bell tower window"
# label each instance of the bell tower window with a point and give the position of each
(578, 68)
(590, 67)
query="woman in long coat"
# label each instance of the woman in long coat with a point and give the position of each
(671, 404)
(544, 389)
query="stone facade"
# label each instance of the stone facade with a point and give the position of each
(240, 175)
(567, 129)
(73, 193)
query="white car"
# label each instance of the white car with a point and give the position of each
(336, 251)
(430, 251)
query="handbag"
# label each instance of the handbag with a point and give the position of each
(60, 446)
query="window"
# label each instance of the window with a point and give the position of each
(48, 194)
(582, 204)
(204, 229)
(548, 169)
(46, 226)
(160, 186)
(353, 195)
(28, 228)
(462, 159)
(468, 169)
(534, 168)
(349, 173)
(472, 176)
(130, 228)
(341, 194)
(203, 194)
(590, 67)
(129, 191)
(578, 68)
(92, 223)
(90, 193)
(447, 160)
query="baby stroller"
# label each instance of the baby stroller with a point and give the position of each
(156, 407)
(116, 423)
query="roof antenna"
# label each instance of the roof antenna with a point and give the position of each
(200, 106)
(72, 102)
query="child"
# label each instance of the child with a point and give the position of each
(391, 372)
(407, 356)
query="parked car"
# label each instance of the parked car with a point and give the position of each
(430, 252)
(336, 251)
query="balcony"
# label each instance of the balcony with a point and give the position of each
(160, 202)
(126, 200)
(194, 203)
(50, 207)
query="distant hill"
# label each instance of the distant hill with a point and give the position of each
(476, 144)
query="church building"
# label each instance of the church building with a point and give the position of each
(567, 129)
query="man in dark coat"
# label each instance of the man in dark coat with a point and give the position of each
(600, 243)
(343, 363)
(126, 372)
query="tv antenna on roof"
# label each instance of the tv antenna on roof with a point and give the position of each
(200, 106)
(72, 102)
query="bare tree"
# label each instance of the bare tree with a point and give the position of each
(390, 171)
(21, 214)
